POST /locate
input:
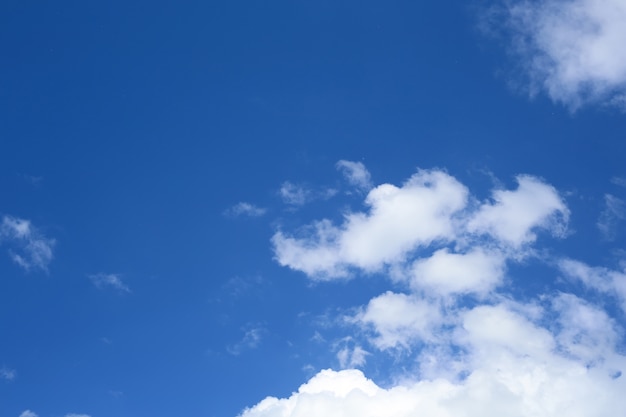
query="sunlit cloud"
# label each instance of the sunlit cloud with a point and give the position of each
(467, 346)
(571, 49)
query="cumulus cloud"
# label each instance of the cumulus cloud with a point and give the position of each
(245, 209)
(102, 281)
(573, 50)
(398, 319)
(29, 248)
(512, 369)
(467, 347)
(356, 174)
(476, 271)
(399, 220)
(513, 216)
(430, 208)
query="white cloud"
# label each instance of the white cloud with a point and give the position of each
(102, 281)
(477, 271)
(513, 215)
(430, 208)
(585, 331)
(356, 174)
(77, 415)
(399, 221)
(399, 320)
(352, 357)
(492, 329)
(29, 248)
(28, 413)
(7, 374)
(245, 209)
(572, 49)
(512, 370)
(612, 215)
(599, 278)
(467, 348)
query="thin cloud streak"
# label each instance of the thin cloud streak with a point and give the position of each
(102, 281)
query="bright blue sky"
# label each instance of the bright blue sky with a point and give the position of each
(165, 167)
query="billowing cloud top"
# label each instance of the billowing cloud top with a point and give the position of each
(432, 207)
(471, 349)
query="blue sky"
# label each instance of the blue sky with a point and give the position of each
(283, 208)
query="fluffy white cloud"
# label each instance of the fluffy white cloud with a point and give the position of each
(29, 248)
(399, 320)
(512, 370)
(245, 209)
(356, 174)
(109, 280)
(470, 349)
(430, 208)
(572, 49)
(513, 215)
(477, 271)
(400, 219)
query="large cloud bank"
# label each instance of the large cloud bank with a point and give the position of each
(572, 49)
(471, 349)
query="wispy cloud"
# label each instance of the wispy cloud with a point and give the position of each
(356, 174)
(7, 374)
(102, 281)
(352, 357)
(245, 209)
(573, 50)
(604, 280)
(251, 339)
(28, 247)
(612, 215)
(619, 181)
(295, 195)
(28, 413)
(77, 415)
